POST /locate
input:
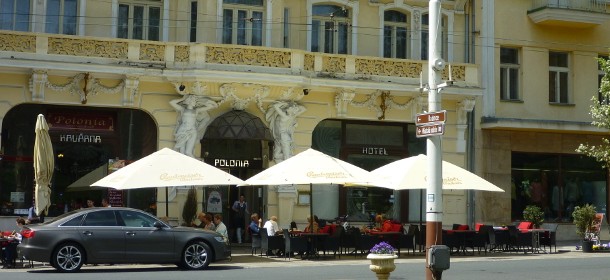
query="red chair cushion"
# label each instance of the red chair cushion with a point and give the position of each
(478, 226)
(395, 228)
(462, 227)
(525, 225)
(325, 229)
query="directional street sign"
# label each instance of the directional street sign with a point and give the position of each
(431, 117)
(429, 130)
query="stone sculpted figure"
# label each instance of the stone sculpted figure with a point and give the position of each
(281, 116)
(192, 121)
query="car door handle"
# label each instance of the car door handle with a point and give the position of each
(87, 233)
(130, 233)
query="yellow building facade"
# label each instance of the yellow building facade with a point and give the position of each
(539, 71)
(105, 73)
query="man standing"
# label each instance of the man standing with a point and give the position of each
(240, 207)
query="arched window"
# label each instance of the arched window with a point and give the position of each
(396, 41)
(330, 29)
(242, 22)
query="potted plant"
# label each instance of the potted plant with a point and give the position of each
(584, 218)
(534, 214)
(382, 257)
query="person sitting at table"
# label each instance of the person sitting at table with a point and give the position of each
(206, 221)
(309, 225)
(386, 225)
(272, 230)
(220, 226)
(255, 224)
(272, 227)
(10, 252)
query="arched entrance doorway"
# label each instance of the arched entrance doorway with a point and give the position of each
(239, 143)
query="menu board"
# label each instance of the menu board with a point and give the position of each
(115, 198)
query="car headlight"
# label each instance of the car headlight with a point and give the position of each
(222, 239)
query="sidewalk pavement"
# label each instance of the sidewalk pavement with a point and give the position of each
(242, 256)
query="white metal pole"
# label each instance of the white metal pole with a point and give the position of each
(434, 196)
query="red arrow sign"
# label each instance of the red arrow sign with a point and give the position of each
(432, 117)
(430, 130)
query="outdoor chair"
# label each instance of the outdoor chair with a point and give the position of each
(420, 238)
(332, 243)
(406, 239)
(256, 242)
(347, 242)
(549, 237)
(480, 240)
(363, 242)
(269, 243)
(294, 244)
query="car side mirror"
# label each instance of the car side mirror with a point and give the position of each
(158, 225)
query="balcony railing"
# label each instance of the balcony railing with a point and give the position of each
(598, 6)
(569, 13)
(94, 51)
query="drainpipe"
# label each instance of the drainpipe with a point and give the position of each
(470, 160)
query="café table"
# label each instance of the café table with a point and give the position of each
(536, 232)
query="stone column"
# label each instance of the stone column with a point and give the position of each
(287, 196)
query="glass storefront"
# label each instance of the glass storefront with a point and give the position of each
(556, 183)
(368, 145)
(84, 140)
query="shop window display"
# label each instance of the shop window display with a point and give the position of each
(556, 183)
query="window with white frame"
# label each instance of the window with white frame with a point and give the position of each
(330, 29)
(396, 41)
(15, 15)
(444, 31)
(559, 71)
(61, 17)
(193, 22)
(509, 73)
(140, 20)
(600, 77)
(242, 22)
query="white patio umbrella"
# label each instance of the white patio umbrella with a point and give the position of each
(166, 168)
(412, 172)
(311, 167)
(44, 164)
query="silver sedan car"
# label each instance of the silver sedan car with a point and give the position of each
(119, 235)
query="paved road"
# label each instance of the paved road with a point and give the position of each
(568, 264)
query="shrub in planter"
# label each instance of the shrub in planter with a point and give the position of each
(534, 214)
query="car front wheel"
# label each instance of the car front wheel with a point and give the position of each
(68, 257)
(196, 255)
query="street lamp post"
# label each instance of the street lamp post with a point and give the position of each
(434, 195)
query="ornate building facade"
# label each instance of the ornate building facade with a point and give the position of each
(240, 84)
